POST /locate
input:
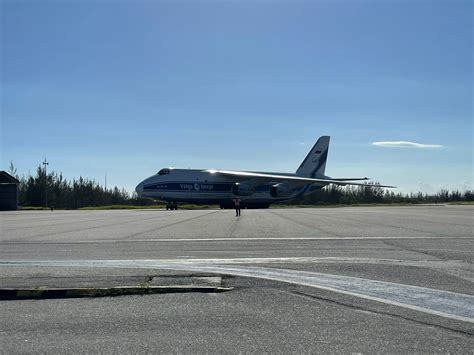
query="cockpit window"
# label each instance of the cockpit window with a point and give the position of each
(164, 171)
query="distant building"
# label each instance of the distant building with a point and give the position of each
(8, 192)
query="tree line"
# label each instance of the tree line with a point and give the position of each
(350, 195)
(53, 190)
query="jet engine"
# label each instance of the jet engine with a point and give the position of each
(242, 189)
(280, 190)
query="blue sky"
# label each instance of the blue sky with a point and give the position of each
(125, 88)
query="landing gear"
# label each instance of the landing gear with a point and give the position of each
(172, 206)
(256, 205)
(226, 205)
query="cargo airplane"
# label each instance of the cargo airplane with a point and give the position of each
(255, 189)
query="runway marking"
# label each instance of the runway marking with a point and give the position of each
(272, 260)
(225, 239)
(437, 302)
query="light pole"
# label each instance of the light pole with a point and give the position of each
(105, 190)
(45, 163)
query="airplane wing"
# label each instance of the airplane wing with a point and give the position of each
(275, 177)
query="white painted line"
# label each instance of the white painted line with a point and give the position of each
(247, 239)
(270, 260)
(437, 302)
(237, 239)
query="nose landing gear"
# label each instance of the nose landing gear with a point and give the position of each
(172, 206)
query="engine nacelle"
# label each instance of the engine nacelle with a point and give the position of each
(280, 190)
(242, 189)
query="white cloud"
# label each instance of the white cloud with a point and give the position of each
(405, 144)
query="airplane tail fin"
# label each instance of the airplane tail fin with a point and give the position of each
(315, 162)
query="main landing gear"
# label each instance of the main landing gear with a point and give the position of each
(172, 206)
(243, 204)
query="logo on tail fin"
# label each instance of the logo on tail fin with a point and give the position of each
(315, 162)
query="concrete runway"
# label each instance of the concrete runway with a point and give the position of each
(325, 279)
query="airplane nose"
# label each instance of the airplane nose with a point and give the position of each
(139, 189)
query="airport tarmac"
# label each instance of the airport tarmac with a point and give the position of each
(362, 279)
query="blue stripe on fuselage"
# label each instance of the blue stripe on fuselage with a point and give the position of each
(189, 186)
(215, 187)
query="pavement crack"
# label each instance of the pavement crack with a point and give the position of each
(446, 269)
(88, 228)
(305, 224)
(171, 224)
(379, 312)
(377, 224)
(234, 227)
(393, 245)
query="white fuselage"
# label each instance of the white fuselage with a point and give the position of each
(255, 189)
(201, 186)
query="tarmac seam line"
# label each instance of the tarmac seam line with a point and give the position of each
(366, 309)
(77, 292)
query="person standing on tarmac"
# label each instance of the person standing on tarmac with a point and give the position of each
(237, 206)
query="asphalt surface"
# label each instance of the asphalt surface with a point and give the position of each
(325, 279)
